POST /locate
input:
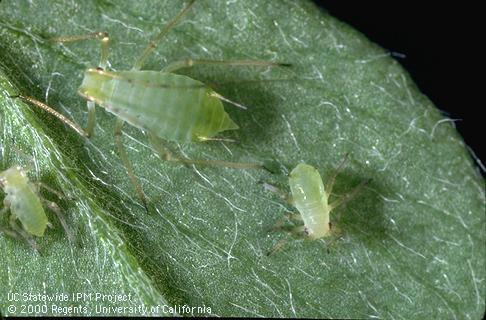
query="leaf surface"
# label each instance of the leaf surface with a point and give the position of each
(413, 240)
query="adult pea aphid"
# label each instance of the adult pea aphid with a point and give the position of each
(311, 198)
(167, 106)
(25, 204)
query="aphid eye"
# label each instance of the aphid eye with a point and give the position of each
(99, 69)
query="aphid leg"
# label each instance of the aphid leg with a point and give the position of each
(56, 114)
(104, 39)
(20, 237)
(336, 232)
(296, 217)
(345, 198)
(155, 41)
(166, 155)
(52, 205)
(278, 246)
(102, 36)
(55, 208)
(187, 63)
(126, 162)
(297, 231)
(20, 233)
(5, 230)
(332, 179)
(91, 117)
(39, 185)
(14, 231)
(331, 243)
(4, 209)
(9, 233)
(283, 195)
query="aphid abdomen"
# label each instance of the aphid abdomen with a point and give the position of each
(310, 199)
(174, 107)
(316, 221)
(24, 202)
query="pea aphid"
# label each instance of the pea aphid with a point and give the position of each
(25, 204)
(311, 199)
(167, 106)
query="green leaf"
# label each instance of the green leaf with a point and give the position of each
(413, 240)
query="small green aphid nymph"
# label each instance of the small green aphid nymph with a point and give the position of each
(25, 205)
(311, 198)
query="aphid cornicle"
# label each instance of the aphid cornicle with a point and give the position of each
(168, 106)
(26, 205)
(311, 198)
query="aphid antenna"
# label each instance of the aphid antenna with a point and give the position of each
(236, 104)
(252, 62)
(155, 41)
(268, 169)
(332, 179)
(270, 187)
(347, 197)
(53, 112)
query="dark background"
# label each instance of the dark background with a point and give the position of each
(441, 52)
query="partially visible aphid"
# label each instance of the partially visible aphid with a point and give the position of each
(311, 198)
(25, 204)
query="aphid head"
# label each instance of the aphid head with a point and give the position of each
(306, 182)
(11, 176)
(92, 82)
